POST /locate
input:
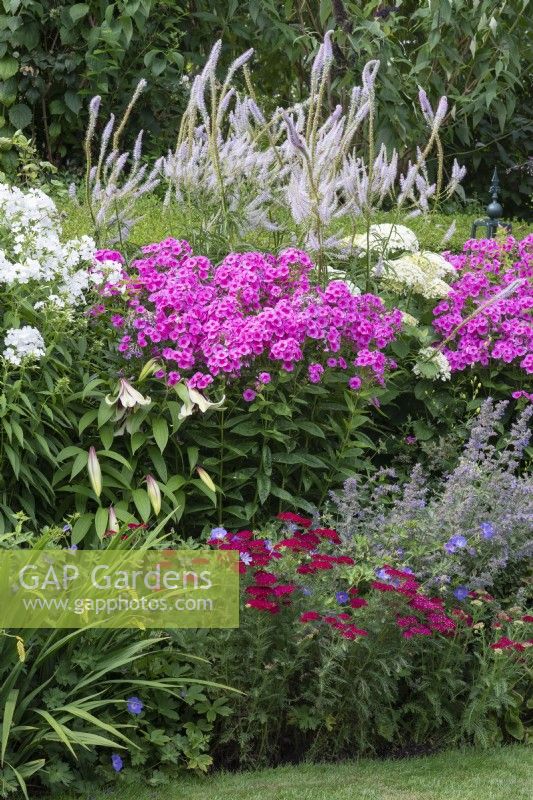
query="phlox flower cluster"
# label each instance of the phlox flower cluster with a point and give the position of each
(23, 344)
(31, 250)
(487, 316)
(252, 311)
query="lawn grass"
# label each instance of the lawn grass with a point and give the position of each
(499, 774)
(156, 222)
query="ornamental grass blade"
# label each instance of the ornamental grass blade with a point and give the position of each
(82, 714)
(59, 729)
(7, 721)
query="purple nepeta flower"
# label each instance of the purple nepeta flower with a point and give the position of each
(305, 591)
(487, 530)
(67, 528)
(342, 597)
(461, 593)
(117, 762)
(135, 705)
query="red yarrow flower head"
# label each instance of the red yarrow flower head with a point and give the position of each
(263, 605)
(310, 616)
(358, 602)
(283, 589)
(288, 516)
(264, 578)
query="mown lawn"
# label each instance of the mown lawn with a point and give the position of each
(499, 774)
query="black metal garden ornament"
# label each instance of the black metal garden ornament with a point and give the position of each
(493, 220)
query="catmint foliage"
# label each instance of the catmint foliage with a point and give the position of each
(469, 530)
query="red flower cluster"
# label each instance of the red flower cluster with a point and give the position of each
(433, 620)
(266, 593)
(340, 622)
(504, 643)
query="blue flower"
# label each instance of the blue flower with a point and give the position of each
(73, 547)
(342, 597)
(217, 534)
(67, 528)
(117, 762)
(455, 543)
(382, 574)
(487, 530)
(135, 705)
(269, 546)
(305, 591)
(461, 593)
(246, 558)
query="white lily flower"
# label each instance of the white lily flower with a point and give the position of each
(195, 399)
(127, 396)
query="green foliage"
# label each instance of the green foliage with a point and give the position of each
(54, 56)
(63, 697)
(319, 697)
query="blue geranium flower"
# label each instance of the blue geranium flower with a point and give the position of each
(487, 530)
(217, 534)
(342, 597)
(461, 593)
(456, 542)
(117, 762)
(135, 705)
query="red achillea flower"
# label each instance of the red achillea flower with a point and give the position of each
(258, 591)
(398, 573)
(305, 569)
(358, 602)
(504, 643)
(423, 603)
(466, 618)
(416, 630)
(264, 578)
(353, 591)
(288, 516)
(441, 623)
(327, 533)
(310, 616)
(283, 589)
(351, 632)
(343, 560)
(263, 605)
(406, 622)
(343, 616)
(527, 618)
(382, 587)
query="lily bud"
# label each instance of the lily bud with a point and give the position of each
(154, 493)
(148, 369)
(205, 478)
(113, 523)
(95, 473)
